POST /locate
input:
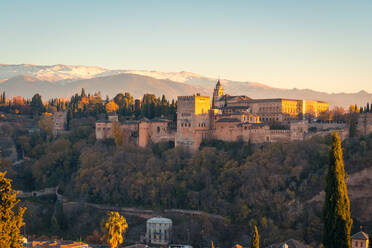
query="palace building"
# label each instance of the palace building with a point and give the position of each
(224, 117)
(270, 110)
(234, 118)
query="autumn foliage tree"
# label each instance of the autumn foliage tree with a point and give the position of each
(10, 224)
(336, 215)
(255, 243)
(117, 134)
(114, 226)
(46, 125)
(111, 107)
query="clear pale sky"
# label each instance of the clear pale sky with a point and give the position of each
(318, 44)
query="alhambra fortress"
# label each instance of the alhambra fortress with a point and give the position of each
(232, 118)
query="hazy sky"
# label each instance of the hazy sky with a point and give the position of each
(317, 44)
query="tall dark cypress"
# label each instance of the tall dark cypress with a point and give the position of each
(336, 215)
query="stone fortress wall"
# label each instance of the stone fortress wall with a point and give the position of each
(232, 118)
(141, 133)
(364, 126)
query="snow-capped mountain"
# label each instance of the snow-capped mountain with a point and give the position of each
(180, 77)
(65, 80)
(51, 73)
(59, 72)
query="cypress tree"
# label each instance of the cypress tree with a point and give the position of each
(83, 93)
(10, 223)
(68, 119)
(37, 104)
(336, 213)
(255, 238)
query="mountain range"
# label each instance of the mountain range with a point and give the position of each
(65, 80)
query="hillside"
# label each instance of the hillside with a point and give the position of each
(66, 80)
(275, 186)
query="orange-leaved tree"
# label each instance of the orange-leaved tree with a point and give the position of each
(114, 225)
(10, 224)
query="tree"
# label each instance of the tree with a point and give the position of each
(10, 223)
(255, 240)
(117, 133)
(46, 125)
(336, 213)
(83, 94)
(148, 105)
(68, 119)
(114, 227)
(37, 104)
(111, 107)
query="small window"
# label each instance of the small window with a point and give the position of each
(158, 129)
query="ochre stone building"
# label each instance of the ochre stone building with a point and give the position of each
(141, 133)
(364, 126)
(197, 122)
(270, 110)
(224, 117)
(233, 118)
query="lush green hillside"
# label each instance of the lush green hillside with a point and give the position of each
(271, 185)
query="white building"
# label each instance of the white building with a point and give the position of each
(360, 240)
(158, 231)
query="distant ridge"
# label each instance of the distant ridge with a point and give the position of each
(65, 80)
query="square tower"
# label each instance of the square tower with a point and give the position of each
(193, 120)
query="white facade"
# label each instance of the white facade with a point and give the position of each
(158, 231)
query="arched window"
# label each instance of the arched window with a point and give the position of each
(158, 128)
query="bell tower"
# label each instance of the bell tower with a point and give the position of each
(217, 93)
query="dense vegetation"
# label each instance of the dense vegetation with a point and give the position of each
(86, 105)
(268, 186)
